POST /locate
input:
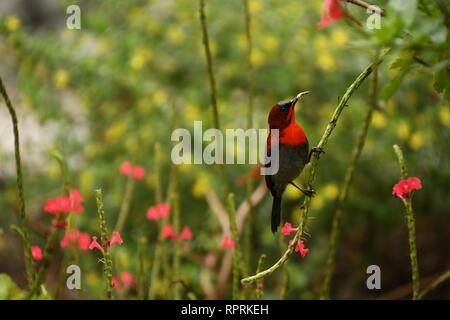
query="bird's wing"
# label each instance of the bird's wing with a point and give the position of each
(268, 178)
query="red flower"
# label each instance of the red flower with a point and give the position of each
(76, 239)
(167, 231)
(116, 283)
(403, 188)
(159, 211)
(75, 195)
(227, 242)
(36, 252)
(331, 12)
(186, 234)
(60, 224)
(95, 244)
(300, 247)
(127, 279)
(287, 229)
(126, 168)
(51, 206)
(138, 172)
(83, 241)
(116, 239)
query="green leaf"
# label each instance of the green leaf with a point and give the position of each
(8, 289)
(392, 86)
(406, 9)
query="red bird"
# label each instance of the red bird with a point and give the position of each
(294, 153)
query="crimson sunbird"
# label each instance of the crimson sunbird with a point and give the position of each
(294, 153)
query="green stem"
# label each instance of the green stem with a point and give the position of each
(177, 247)
(443, 278)
(107, 269)
(142, 279)
(212, 82)
(237, 249)
(259, 283)
(157, 178)
(29, 263)
(125, 206)
(306, 204)
(337, 218)
(411, 228)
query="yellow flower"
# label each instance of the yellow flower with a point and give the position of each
(444, 116)
(12, 23)
(258, 58)
(403, 130)
(254, 6)
(379, 120)
(114, 132)
(159, 97)
(140, 58)
(61, 79)
(317, 202)
(320, 44)
(339, 37)
(270, 43)
(326, 61)
(175, 35)
(192, 112)
(330, 190)
(416, 140)
(132, 144)
(201, 185)
(144, 105)
(153, 26)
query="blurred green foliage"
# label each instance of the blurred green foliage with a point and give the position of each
(136, 70)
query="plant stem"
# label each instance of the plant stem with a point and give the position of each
(177, 248)
(411, 228)
(443, 278)
(29, 263)
(142, 279)
(236, 250)
(306, 204)
(107, 269)
(212, 83)
(342, 199)
(259, 283)
(125, 206)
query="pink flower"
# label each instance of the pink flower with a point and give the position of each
(76, 239)
(51, 206)
(36, 252)
(159, 211)
(116, 283)
(116, 239)
(330, 13)
(186, 234)
(167, 231)
(300, 247)
(95, 244)
(287, 229)
(60, 224)
(403, 188)
(83, 241)
(227, 242)
(127, 279)
(76, 196)
(126, 168)
(138, 172)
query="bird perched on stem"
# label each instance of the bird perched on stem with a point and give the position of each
(293, 153)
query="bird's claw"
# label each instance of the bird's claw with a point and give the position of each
(309, 193)
(318, 150)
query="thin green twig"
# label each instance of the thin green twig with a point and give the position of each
(29, 264)
(411, 228)
(237, 248)
(442, 279)
(342, 199)
(125, 206)
(306, 204)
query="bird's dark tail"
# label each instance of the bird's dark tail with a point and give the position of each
(276, 213)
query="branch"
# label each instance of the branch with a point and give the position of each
(366, 6)
(435, 284)
(303, 218)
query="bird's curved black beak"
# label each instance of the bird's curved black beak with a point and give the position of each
(298, 97)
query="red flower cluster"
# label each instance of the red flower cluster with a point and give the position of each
(36, 253)
(287, 229)
(403, 188)
(160, 211)
(95, 245)
(227, 242)
(331, 12)
(66, 205)
(300, 246)
(76, 239)
(126, 280)
(135, 171)
(168, 232)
